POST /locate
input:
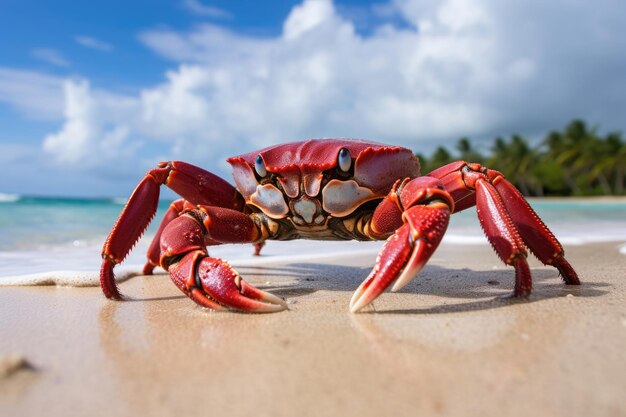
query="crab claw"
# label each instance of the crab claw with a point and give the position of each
(405, 253)
(214, 284)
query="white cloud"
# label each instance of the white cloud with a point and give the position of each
(93, 43)
(200, 9)
(94, 132)
(50, 56)
(461, 68)
(321, 78)
(308, 16)
(36, 95)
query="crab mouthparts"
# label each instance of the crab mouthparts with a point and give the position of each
(307, 211)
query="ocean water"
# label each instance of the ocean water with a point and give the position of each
(39, 235)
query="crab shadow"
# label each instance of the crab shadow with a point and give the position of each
(480, 289)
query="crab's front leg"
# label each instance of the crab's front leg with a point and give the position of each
(154, 250)
(418, 210)
(194, 184)
(212, 282)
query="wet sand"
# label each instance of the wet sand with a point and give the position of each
(447, 344)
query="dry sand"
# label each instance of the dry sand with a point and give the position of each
(446, 345)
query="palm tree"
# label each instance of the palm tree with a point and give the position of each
(585, 151)
(619, 167)
(561, 151)
(613, 164)
(500, 157)
(572, 161)
(517, 161)
(439, 158)
(467, 151)
(601, 165)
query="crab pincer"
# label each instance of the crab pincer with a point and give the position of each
(210, 282)
(214, 284)
(405, 253)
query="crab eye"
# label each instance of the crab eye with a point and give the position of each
(259, 166)
(344, 160)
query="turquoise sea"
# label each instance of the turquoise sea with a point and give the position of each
(39, 234)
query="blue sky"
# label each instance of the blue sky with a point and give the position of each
(92, 94)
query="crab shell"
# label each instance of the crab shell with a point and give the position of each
(299, 172)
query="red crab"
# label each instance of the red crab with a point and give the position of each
(328, 189)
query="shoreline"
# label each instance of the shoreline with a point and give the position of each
(442, 345)
(590, 198)
(81, 273)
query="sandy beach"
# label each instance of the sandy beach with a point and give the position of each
(446, 345)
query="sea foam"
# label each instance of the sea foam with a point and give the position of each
(9, 198)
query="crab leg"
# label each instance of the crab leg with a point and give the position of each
(507, 218)
(194, 184)
(543, 244)
(503, 235)
(154, 251)
(212, 282)
(426, 213)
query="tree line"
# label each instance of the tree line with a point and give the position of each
(574, 161)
